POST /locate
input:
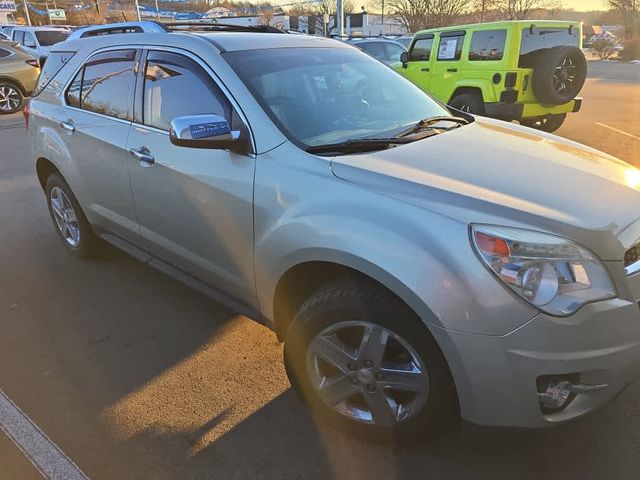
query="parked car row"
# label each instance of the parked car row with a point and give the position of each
(18, 76)
(419, 262)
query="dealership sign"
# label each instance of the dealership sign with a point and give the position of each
(7, 6)
(56, 14)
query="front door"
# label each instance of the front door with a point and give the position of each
(447, 66)
(418, 69)
(195, 206)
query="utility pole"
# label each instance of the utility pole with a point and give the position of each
(157, 11)
(340, 19)
(26, 12)
(382, 28)
(137, 9)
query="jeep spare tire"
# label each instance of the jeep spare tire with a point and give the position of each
(559, 75)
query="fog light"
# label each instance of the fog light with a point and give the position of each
(557, 395)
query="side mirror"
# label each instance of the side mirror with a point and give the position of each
(206, 131)
(404, 58)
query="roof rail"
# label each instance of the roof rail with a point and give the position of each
(220, 27)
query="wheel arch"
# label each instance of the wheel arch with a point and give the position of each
(44, 168)
(461, 90)
(15, 82)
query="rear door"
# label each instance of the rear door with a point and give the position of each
(95, 126)
(418, 68)
(195, 206)
(447, 65)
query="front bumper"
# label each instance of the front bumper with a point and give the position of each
(496, 375)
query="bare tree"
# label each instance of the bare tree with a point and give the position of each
(630, 12)
(483, 6)
(523, 9)
(416, 15)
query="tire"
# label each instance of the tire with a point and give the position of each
(549, 124)
(468, 103)
(78, 236)
(11, 98)
(333, 314)
(559, 75)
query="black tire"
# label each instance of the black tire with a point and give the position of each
(344, 301)
(549, 124)
(11, 98)
(88, 244)
(468, 103)
(559, 75)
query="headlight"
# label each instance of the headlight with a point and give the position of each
(552, 273)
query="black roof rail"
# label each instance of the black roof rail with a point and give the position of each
(220, 27)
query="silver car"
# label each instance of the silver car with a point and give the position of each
(418, 264)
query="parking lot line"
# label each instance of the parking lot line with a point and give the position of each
(45, 455)
(617, 130)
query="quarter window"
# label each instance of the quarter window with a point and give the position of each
(105, 84)
(4, 53)
(487, 45)
(450, 47)
(168, 76)
(421, 50)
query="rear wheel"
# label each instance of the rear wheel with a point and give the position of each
(365, 362)
(550, 123)
(69, 219)
(469, 103)
(10, 98)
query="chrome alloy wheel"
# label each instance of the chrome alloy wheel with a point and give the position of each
(367, 373)
(65, 217)
(9, 98)
(564, 76)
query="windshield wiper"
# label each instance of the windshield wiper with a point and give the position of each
(429, 121)
(361, 145)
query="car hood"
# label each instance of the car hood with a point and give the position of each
(490, 171)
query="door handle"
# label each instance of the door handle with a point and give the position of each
(68, 126)
(425, 69)
(452, 69)
(142, 154)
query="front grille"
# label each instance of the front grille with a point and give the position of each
(632, 255)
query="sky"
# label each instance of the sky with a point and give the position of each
(585, 5)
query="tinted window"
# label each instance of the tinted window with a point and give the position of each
(535, 42)
(450, 47)
(176, 86)
(394, 52)
(487, 45)
(422, 49)
(47, 38)
(375, 49)
(4, 53)
(55, 62)
(105, 84)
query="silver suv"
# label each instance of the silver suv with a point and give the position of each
(418, 262)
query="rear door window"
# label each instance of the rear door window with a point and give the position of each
(393, 52)
(421, 51)
(29, 40)
(450, 48)
(535, 41)
(105, 84)
(375, 49)
(18, 36)
(487, 45)
(168, 77)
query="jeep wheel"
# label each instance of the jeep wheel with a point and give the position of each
(69, 219)
(550, 123)
(10, 98)
(559, 75)
(365, 362)
(468, 103)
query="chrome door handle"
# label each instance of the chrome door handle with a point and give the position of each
(68, 126)
(142, 154)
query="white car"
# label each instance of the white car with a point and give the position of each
(37, 41)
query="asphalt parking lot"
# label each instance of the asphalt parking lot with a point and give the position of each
(134, 375)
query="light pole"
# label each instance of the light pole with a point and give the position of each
(340, 19)
(137, 9)
(157, 11)
(26, 12)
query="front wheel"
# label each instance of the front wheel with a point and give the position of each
(549, 124)
(365, 362)
(10, 98)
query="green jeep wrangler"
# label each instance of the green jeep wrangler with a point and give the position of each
(530, 71)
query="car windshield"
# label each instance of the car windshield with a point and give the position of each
(320, 96)
(46, 38)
